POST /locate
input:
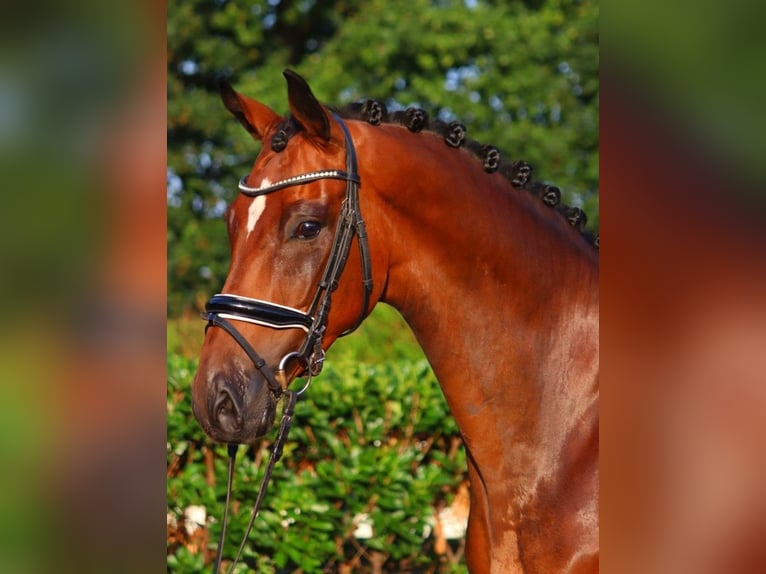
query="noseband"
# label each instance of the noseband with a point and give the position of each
(223, 308)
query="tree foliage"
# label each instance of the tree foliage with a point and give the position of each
(520, 75)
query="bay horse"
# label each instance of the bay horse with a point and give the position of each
(494, 277)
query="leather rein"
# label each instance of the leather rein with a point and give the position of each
(224, 308)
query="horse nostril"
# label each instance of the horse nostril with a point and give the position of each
(238, 408)
(227, 412)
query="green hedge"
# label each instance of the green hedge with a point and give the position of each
(374, 440)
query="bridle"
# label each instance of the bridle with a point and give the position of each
(224, 308)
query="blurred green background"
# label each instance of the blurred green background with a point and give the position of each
(84, 485)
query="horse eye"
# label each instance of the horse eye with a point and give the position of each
(307, 230)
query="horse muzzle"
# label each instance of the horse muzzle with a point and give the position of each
(233, 408)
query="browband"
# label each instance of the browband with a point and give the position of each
(297, 180)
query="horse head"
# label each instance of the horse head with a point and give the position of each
(291, 231)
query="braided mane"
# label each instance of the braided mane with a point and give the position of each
(517, 172)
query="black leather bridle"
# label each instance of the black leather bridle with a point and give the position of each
(223, 308)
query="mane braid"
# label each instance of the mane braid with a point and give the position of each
(517, 172)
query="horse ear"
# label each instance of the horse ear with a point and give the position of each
(305, 108)
(254, 116)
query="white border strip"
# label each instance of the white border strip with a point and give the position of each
(263, 323)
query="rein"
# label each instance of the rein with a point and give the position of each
(288, 408)
(223, 308)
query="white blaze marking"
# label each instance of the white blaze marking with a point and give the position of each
(256, 208)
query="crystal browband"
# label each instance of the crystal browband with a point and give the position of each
(297, 180)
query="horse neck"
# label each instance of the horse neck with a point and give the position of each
(500, 293)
